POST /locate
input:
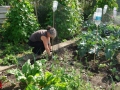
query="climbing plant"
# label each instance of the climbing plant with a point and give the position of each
(21, 22)
(67, 18)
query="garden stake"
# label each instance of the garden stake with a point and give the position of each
(96, 43)
(55, 4)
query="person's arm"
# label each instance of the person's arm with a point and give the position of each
(49, 44)
(45, 42)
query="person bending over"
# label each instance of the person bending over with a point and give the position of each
(40, 40)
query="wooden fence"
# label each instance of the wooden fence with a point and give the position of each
(3, 11)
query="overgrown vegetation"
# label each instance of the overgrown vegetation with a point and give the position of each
(103, 40)
(89, 6)
(68, 18)
(21, 22)
(102, 44)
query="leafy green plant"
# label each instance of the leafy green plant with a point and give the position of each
(1, 2)
(92, 43)
(29, 72)
(67, 20)
(115, 74)
(4, 2)
(105, 40)
(21, 22)
(111, 3)
(87, 7)
(36, 77)
(8, 60)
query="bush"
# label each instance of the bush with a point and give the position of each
(67, 19)
(105, 39)
(42, 11)
(4, 2)
(21, 22)
(111, 3)
(87, 7)
(1, 2)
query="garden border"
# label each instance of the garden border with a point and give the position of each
(55, 48)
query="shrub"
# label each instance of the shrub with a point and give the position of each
(106, 40)
(87, 7)
(21, 22)
(110, 3)
(67, 19)
(42, 11)
(1, 2)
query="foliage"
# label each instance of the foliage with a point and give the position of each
(42, 11)
(29, 73)
(4, 2)
(107, 41)
(87, 7)
(9, 52)
(1, 2)
(21, 22)
(111, 3)
(35, 76)
(67, 18)
(8, 60)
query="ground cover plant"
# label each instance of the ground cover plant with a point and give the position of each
(35, 76)
(66, 60)
(103, 45)
(38, 76)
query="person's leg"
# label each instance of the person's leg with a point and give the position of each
(38, 47)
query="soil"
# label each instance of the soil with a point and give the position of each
(98, 77)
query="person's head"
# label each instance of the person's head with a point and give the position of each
(51, 32)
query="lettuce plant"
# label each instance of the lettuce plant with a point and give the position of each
(35, 77)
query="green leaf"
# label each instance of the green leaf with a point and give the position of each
(31, 79)
(117, 77)
(32, 87)
(26, 68)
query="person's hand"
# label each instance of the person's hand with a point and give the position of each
(50, 53)
(50, 56)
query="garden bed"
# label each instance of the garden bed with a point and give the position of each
(67, 57)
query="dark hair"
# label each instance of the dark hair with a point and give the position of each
(48, 27)
(52, 31)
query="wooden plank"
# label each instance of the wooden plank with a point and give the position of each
(2, 20)
(2, 16)
(4, 8)
(3, 68)
(3, 12)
